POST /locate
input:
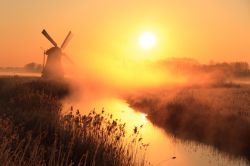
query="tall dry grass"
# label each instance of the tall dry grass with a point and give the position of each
(216, 116)
(33, 131)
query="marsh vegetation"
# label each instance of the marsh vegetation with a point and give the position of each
(213, 115)
(33, 130)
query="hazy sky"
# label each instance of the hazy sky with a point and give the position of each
(206, 30)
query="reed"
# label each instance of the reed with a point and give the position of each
(33, 130)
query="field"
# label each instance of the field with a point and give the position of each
(33, 130)
(218, 116)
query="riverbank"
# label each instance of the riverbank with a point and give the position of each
(215, 116)
(35, 132)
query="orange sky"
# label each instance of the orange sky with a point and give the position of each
(216, 30)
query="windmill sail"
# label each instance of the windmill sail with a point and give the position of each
(49, 38)
(68, 58)
(44, 60)
(66, 40)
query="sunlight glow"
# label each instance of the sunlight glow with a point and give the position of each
(147, 40)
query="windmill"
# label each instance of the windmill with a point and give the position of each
(44, 57)
(53, 66)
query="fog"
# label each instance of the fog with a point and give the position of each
(122, 78)
(192, 101)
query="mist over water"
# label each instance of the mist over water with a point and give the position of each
(132, 100)
(192, 113)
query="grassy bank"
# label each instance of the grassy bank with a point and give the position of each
(33, 130)
(216, 116)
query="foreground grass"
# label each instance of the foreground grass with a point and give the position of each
(34, 132)
(214, 116)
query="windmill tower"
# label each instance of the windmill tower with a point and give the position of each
(53, 67)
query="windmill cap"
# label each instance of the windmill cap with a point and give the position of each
(53, 50)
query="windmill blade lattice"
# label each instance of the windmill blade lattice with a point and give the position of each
(66, 40)
(44, 32)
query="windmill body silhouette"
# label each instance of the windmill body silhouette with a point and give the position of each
(53, 66)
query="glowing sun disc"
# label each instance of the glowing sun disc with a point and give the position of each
(147, 40)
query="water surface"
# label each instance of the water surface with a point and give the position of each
(162, 146)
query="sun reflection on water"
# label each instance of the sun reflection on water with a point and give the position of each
(163, 149)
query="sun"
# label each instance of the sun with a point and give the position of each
(147, 40)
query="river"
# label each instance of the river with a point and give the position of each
(162, 147)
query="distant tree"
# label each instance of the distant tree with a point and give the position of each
(39, 67)
(30, 66)
(33, 67)
(240, 69)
